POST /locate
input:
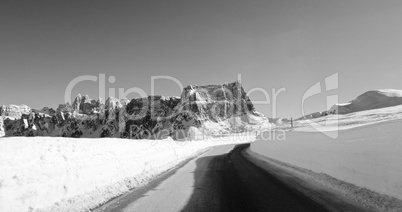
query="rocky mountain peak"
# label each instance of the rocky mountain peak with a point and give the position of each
(208, 108)
(14, 111)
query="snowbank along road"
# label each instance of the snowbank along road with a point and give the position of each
(221, 179)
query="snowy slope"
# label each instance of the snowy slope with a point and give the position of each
(370, 100)
(66, 174)
(347, 121)
(367, 152)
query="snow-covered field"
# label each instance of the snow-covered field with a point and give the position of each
(367, 152)
(65, 174)
(348, 121)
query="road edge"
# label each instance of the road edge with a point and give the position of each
(335, 193)
(151, 182)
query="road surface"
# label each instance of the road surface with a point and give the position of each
(218, 180)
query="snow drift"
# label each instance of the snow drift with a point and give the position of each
(65, 174)
(367, 152)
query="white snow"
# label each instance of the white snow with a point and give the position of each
(2, 130)
(367, 153)
(347, 121)
(66, 174)
(391, 92)
(370, 100)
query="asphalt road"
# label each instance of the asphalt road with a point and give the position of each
(218, 180)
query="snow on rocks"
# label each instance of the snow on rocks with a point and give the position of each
(215, 108)
(2, 130)
(14, 111)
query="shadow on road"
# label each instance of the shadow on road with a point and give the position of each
(231, 183)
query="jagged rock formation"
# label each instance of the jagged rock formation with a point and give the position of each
(14, 111)
(13, 114)
(205, 110)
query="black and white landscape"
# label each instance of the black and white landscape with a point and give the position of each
(201, 105)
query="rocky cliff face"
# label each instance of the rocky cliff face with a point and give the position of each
(14, 111)
(201, 110)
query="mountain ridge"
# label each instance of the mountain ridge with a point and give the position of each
(369, 100)
(199, 111)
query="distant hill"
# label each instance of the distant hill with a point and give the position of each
(369, 100)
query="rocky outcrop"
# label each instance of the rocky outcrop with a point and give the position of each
(85, 105)
(211, 109)
(14, 111)
(12, 117)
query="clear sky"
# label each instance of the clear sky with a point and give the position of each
(277, 44)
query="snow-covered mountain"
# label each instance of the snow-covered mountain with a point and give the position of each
(369, 100)
(201, 110)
